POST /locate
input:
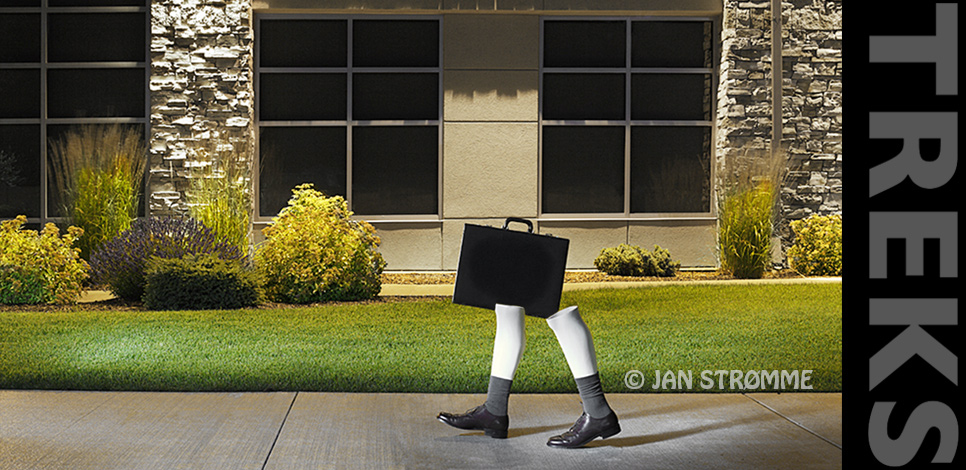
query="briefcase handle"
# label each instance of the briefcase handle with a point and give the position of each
(522, 221)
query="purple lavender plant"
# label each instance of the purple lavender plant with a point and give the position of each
(121, 262)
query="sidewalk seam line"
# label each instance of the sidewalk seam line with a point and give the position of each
(796, 423)
(279, 433)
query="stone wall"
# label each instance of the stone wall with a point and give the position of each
(201, 91)
(812, 107)
(811, 103)
(744, 132)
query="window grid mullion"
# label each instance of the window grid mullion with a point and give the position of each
(43, 115)
(351, 123)
(629, 70)
(43, 66)
(349, 108)
(627, 118)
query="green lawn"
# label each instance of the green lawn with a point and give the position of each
(426, 346)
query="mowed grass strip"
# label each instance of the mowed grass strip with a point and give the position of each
(427, 346)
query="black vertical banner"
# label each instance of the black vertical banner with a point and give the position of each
(902, 227)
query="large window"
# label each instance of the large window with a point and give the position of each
(626, 116)
(353, 106)
(64, 63)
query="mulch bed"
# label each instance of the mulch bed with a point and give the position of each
(120, 305)
(584, 276)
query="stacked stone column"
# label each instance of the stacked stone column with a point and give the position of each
(201, 91)
(811, 102)
(812, 107)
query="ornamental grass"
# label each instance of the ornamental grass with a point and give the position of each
(97, 172)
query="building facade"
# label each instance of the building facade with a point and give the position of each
(605, 122)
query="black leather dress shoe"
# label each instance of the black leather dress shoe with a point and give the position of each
(585, 430)
(480, 419)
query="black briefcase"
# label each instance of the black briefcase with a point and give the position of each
(502, 266)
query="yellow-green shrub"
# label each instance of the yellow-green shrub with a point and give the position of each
(632, 260)
(314, 252)
(39, 267)
(817, 250)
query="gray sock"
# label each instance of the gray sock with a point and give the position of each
(592, 396)
(497, 395)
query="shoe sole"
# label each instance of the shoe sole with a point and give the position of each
(494, 433)
(610, 432)
(603, 435)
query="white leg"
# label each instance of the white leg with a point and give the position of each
(510, 341)
(575, 340)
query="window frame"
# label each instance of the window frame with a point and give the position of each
(629, 71)
(44, 65)
(350, 122)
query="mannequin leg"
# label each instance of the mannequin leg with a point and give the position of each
(575, 340)
(598, 419)
(508, 346)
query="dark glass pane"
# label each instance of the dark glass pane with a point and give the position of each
(670, 169)
(20, 90)
(583, 169)
(98, 3)
(303, 43)
(290, 156)
(95, 93)
(583, 96)
(20, 3)
(96, 37)
(395, 170)
(395, 96)
(20, 37)
(684, 97)
(671, 44)
(302, 96)
(584, 44)
(395, 43)
(19, 171)
(58, 132)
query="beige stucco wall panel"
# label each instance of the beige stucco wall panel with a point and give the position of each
(586, 239)
(489, 170)
(632, 6)
(453, 237)
(693, 243)
(656, 6)
(494, 42)
(410, 246)
(490, 95)
(491, 5)
(349, 4)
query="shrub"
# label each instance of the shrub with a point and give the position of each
(39, 267)
(120, 263)
(199, 282)
(98, 171)
(817, 250)
(628, 260)
(220, 193)
(314, 252)
(744, 231)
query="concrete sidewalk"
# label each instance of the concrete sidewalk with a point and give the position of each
(289, 430)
